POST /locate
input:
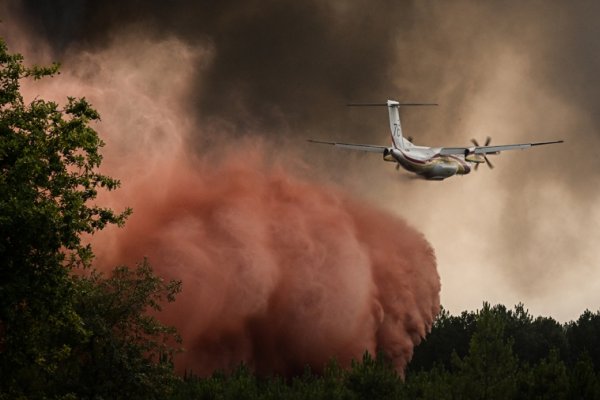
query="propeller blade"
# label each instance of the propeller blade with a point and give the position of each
(487, 141)
(475, 142)
(488, 162)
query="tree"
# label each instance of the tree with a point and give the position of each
(49, 156)
(583, 382)
(583, 336)
(550, 380)
(489, 370)
(373, 378)
(127, 354)
(534, 338)
(449, 334)
(433, 384)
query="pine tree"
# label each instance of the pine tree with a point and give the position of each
(489, 370)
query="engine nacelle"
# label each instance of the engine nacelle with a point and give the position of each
(475, 158)
(470, 156)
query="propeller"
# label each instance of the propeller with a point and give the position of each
(487, 161)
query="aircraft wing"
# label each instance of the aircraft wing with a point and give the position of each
(491, 149)
(361, 147)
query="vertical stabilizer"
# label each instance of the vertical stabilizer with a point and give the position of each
(393, 106)
(395, 127)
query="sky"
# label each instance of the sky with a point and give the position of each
(280, 72)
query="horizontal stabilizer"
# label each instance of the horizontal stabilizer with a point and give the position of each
(386, 104)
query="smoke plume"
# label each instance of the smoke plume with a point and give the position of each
(278, 270)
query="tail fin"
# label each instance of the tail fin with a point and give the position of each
(395, 126)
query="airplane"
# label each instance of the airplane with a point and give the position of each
(431, 163)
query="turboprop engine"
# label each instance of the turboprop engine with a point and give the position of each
(471, 156)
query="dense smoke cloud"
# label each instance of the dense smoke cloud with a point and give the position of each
(512, 70)
(271, 58)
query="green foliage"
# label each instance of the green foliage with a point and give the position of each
(369, 379)
(489, 370)
(583, 337)
(373, 379)
(64, 333)
(522, 356)
(47, 161)
(449, 334)
(436, 383)
(534, 338)
(584, 383)
(127, 352)
(492, 367)
(550, 380)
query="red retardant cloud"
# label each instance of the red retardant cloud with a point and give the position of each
(277, 272)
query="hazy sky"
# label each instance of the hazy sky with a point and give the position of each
(516, 71)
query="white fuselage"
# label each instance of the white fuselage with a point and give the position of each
(426, 161)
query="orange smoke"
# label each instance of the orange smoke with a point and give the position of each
(277, 271)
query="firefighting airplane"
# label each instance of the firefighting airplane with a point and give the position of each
(432, 163)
